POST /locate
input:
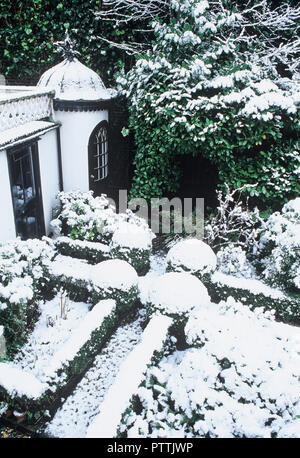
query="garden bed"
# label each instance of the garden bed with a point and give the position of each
(59, 349)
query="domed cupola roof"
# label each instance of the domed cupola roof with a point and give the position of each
(72, 80)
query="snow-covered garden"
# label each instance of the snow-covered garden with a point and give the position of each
(105, 337)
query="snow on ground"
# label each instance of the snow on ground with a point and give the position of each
(49, 335)
(158, 265)
(73, 419)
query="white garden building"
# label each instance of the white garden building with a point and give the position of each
(53, 137)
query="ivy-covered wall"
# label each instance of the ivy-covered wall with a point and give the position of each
(29, 28)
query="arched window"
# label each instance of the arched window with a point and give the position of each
(99, 153)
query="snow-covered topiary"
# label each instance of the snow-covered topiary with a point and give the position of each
(115, 279)
(132, 243)
(194, 256)
(177, 294)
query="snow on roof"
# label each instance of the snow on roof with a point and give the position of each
(25, 130)
(12, 93)
(72, 80)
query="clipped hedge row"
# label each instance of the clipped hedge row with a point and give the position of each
(93, 252)
(254, 293)
(69, 361)
(138, 258)
(120, 398)
(81, 287)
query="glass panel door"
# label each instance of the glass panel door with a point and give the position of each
(26, 192)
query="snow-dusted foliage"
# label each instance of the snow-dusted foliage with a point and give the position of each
(133, 244)
(114, 273)
(89, 218)
(280, 247)
(33, 378)
(233, 222)
(240, 378)
(193, 256)
(210, 85)
(114, 279)
(24, 275)
(176, 294)
(232, 260)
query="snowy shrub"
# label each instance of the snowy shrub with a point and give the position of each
(115, 279)
(122, 392)
(233, 222)
(240, 380)
(24, 278)
(94, 219)
(254, 293)
(133, 244)
(84, 217)
(176, 295)
(279, 249)
(193, 256)
(210, 85)
(232, 260)
(93, 252)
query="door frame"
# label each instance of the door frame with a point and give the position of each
(104, 181)
(33, 144)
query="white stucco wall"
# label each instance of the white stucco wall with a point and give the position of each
(49, 169)
(75, 133)
(7, 221)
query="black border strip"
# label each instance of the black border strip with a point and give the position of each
(81, 105)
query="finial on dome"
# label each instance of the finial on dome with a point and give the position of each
(67, 47)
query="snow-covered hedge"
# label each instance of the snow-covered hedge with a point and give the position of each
(254, 293)
(193, 256)
(94, 252)
(24, 277)
(280, 247)
(133, 244)
(131, 375)
(25, 391)
(94, 219)
(176, 295)
(240, 379)
(114, 278)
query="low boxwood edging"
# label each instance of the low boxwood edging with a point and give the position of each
(121, 394)
(254, 293)
(138, 258)
(93, 252)
(25, 392)
(83, 284)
